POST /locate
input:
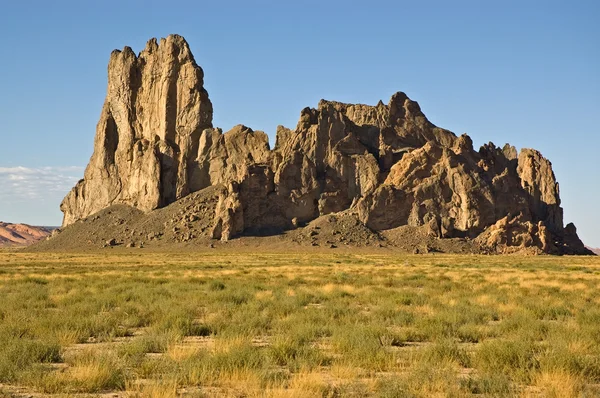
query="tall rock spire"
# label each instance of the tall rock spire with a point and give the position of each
(147, 138)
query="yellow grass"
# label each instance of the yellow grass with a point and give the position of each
(152, 389)
(558, 384)
(299, 324)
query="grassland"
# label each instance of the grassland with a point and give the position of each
(140, 324)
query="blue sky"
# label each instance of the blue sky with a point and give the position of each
(524, 72)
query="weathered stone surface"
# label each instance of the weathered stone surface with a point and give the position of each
(511, 234)
(569, 242)
(428, 185)
(229, 214)
(147, 138)
(387, 165)
(351, 146)
(537, 179)
(226, 157)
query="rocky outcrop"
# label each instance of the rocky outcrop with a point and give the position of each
(229, 214)
(537, 179)
(387, 165)
(226, 157)
(569, 242)
(148, 135)
(431, 185)
(512, 234)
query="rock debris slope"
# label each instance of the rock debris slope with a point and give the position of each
(386, 165)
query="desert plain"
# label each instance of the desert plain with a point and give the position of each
(294, 323)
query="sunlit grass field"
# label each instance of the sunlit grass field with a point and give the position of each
(142, 324)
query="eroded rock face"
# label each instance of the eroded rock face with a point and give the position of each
(348, 149)
(147, 138)
(511, 234)
(537, 179)
(229, 214)
(431, 185)
(223, 158)
(386, 164)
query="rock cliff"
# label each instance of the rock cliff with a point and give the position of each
(387, 164)
(148, 136)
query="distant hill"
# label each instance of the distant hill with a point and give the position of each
(21, 234)
(596, 250)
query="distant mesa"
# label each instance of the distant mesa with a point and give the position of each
(595, 250)
(21, 234)
(385, 166)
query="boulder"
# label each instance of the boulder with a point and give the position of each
(512, 234)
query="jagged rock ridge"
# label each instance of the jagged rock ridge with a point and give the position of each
(387, 164)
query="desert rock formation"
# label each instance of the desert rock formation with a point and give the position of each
(21, 234)
(148, 136)
(387, 165)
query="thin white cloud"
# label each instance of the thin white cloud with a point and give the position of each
(27, 183)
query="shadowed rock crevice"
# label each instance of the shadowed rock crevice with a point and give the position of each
(386, 166)
(111, 141)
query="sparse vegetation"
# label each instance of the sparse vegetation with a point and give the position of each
(217, 323)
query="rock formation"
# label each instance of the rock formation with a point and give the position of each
(21, 234)
(387, 164)
(148, 136)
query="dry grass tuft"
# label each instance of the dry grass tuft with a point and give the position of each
(152, 389)
(558, 384)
